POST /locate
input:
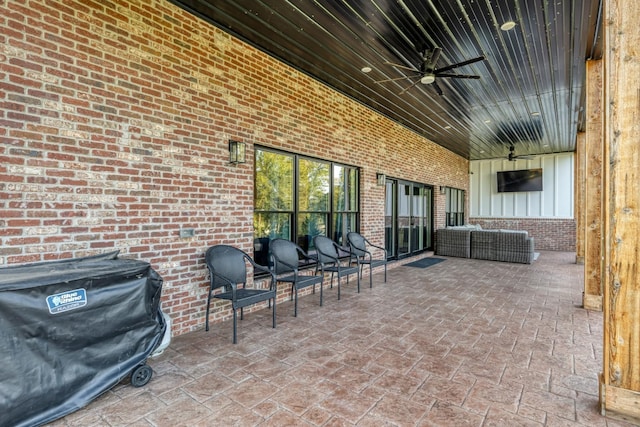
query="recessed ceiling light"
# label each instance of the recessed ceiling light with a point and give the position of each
(535, 113)
(366, 69)
(487, 121)
(509, 25)
(447, 127)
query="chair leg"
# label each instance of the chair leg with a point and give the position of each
(295, 304)
(273, 321)
(358, 280)
(385, 273)
(321, 286)
(370, 276)
(206, 322)
(235, 326)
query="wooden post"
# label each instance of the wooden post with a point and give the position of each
(592, 296)
(579, 200)
(620, 379)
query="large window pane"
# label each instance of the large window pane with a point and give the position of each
(273, 198)
(454, 206)
(309, 226)
(418, 218)
(313, 186)
(342, 223)
(313, 201)
(345, 202)
(345, 188)
(269, 226)
(273, 225)
(390, 220)
(274, 181)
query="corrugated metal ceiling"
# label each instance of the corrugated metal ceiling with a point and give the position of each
(530, 94)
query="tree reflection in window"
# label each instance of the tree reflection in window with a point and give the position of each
(273, 201)
(313, 200)
(345, 202)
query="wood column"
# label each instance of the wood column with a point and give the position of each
(579, 190)
(593, 148)
(620, 379)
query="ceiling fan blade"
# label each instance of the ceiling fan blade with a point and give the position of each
(395, 78)
(458, 76)
(393, 64)
(437, 88)
(409, 87)
(460, 64)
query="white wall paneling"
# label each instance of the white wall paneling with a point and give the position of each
(554, 201)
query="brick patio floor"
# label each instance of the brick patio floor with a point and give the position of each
(461, 343)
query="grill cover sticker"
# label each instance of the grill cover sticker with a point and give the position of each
(65, 301)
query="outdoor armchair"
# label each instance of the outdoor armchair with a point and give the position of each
(328, 253)
(360, 248)
(285, 263)
(227, 269)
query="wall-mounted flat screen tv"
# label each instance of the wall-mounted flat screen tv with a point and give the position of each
(520, 180)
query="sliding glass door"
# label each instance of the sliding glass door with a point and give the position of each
(408, 218)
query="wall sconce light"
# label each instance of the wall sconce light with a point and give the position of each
(237, 152)
(443, 189)
(380, 178)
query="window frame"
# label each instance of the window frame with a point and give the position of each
(350, 186)
(454, 210)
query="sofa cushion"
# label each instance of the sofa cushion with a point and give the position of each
(465, 227)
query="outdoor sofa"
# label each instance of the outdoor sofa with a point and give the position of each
(494, 245)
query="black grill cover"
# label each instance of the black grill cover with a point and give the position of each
(70, 330)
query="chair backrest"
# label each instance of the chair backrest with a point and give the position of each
(228, 262)
(326, 249)
(358, 243)
(285, 255)
(261, 250)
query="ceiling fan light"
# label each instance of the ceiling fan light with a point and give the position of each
(509, 25)
(428, 79)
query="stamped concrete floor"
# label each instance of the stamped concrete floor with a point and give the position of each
(461, 343)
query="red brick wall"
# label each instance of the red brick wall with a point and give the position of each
(114, 123)
(548, 234)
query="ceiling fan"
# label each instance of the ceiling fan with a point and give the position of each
(513, 157)
(428, 72)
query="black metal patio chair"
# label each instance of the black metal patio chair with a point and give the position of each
(228, 268)
(328, 253)
(360, 248)
(285, 263)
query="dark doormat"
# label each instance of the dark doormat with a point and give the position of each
(425, 262)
